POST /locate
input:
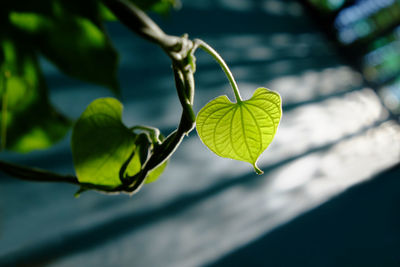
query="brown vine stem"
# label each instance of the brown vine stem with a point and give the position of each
(178, 49)
(34, 174)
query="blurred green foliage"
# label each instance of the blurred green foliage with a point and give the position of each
(71, 35)
(29, 121)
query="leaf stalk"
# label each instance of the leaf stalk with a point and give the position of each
(203, 45)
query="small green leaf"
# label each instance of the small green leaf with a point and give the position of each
(101, 143)
(242, 130)
(154, 174)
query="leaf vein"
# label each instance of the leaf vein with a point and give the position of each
(272, 119)
(231, 135)
(208, 116)
(244, 133)
(216, 126)
(258, 127)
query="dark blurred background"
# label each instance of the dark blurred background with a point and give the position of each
(330, 195)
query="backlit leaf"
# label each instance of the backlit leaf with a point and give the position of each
(101, 143)
(243, 130)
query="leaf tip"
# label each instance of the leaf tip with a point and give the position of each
(258, 170)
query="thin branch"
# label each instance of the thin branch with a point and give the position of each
(178, 49)
(136, 20)
(34, 174)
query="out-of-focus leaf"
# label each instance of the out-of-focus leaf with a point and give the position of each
(89, 9)
(38, 127)
(80, 49)
(106, 14)
(72, 37)
(31, 122)
(159, 6)
(30, 22)
(21, 77)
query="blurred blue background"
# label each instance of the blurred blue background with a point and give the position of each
(330, 195)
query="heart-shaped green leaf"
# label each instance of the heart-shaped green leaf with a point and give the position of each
(101, 143)
(242, 130)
